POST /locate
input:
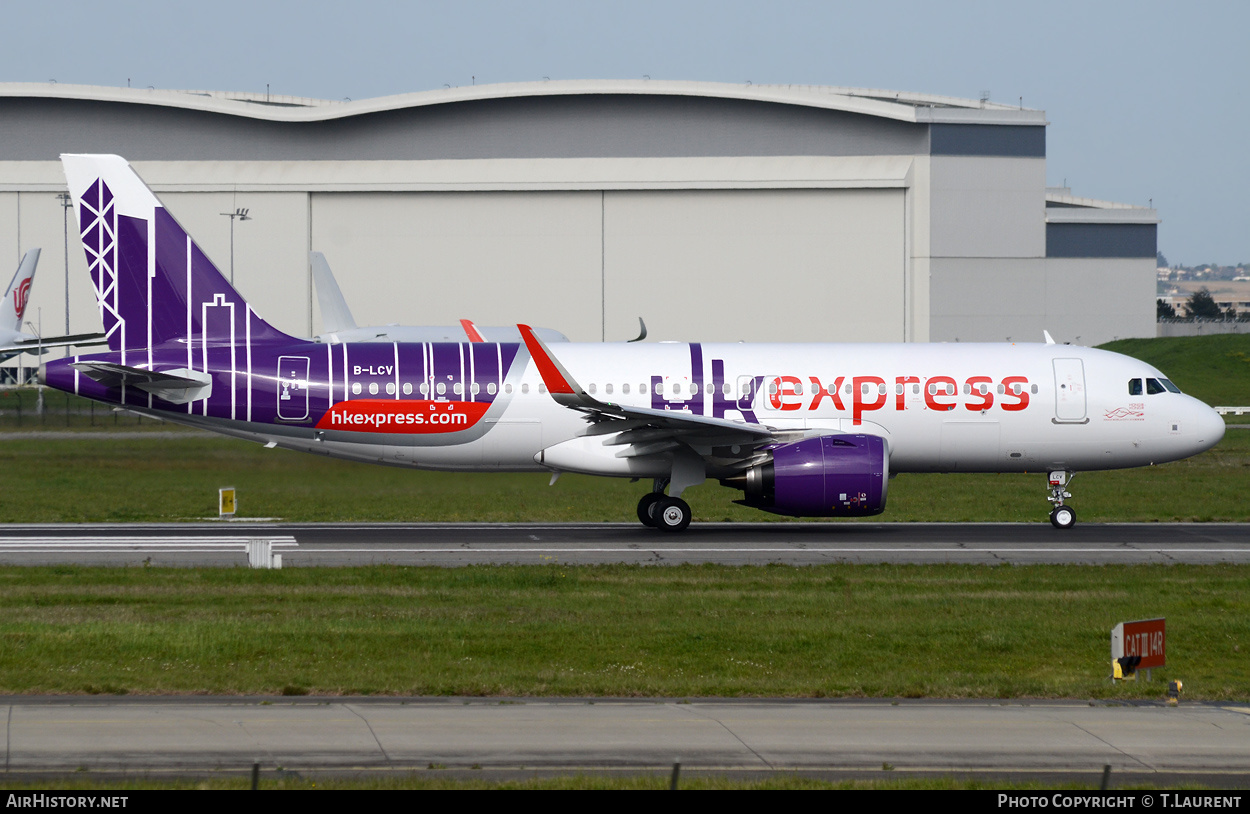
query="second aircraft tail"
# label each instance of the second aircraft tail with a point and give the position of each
(16, 295)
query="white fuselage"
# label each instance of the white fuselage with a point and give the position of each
(942, 407)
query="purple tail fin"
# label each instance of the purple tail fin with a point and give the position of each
(153, 284)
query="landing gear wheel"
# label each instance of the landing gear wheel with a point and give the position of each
(646, 509)
(672, 514)
(1063, 517)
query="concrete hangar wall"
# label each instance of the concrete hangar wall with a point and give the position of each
(716, 212)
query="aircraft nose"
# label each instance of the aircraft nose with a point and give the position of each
(1210, 427)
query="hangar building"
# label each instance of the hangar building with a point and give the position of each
(716, 212)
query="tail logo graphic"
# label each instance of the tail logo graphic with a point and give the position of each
(98, 229)
(20, 297)
(154, 285)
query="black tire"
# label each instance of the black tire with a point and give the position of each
(646, 508)
(1063, 517)
(672, 514)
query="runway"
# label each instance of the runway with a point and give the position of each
(443, 544)
(1199, 742)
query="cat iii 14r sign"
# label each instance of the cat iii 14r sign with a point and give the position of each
(1138, 645)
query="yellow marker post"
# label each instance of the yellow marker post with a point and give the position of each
(225, 501)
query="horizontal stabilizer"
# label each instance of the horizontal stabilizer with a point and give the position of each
(176, 386)
(34, 343)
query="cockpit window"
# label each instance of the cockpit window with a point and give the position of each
(1134, 387)
(1171, 387)
(1153, 387)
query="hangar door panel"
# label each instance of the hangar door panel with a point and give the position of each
(756, 265)
(433, 258)
(270, 249)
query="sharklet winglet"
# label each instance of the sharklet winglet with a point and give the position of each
(557, 379)
(470, 330)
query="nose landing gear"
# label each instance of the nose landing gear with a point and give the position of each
(1061, 517)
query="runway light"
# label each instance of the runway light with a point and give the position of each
(1174, 692)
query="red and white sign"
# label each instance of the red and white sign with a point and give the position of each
(402, 416)
(1145, 637)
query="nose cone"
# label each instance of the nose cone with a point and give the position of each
(1209, 425)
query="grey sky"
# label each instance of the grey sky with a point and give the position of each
(1145, 99)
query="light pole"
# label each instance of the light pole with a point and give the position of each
(39, 357)
(240, 214)
(66, 203)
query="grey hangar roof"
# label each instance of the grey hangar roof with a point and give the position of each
(929, 213)
(558, 119)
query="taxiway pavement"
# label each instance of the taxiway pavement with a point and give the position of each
(445, 544)
(1074, 739)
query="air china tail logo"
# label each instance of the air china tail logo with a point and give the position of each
(1124, 414)
(402, 417)
(20, 295)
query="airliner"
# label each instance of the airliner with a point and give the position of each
(13, 340)
(805, 430)
(338, 324)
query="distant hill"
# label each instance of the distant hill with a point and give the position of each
(1213, 368)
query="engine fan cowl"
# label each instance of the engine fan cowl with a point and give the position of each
(827, 476)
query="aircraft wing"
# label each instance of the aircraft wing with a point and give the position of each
(648, 431)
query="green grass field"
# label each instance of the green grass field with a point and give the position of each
(95, 479)
(166, 478)
(942, 631)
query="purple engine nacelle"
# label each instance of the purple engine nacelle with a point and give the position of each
(827, 476)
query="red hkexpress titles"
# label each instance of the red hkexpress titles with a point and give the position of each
(868, 393)
(395, 416)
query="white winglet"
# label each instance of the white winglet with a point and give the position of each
(1049, 341)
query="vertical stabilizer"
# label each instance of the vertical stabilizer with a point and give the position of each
(18, 293)
(335, 315)
(153, 284)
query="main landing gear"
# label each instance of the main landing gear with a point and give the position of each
(1061, 517)
(669, 512)
(659, 511)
